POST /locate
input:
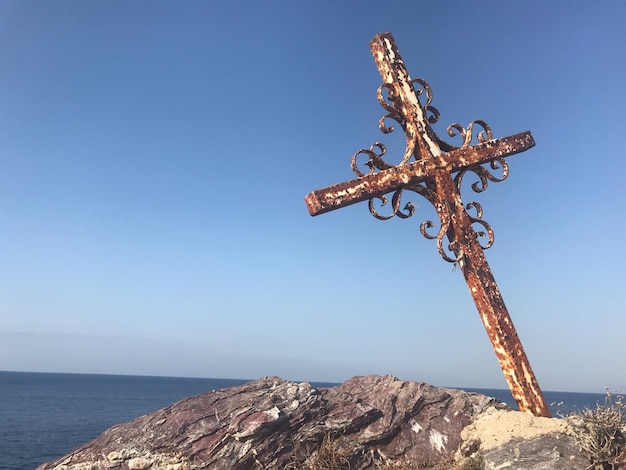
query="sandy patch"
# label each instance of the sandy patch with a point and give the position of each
(496, 427)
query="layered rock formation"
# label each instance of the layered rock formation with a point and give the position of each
(275, 424)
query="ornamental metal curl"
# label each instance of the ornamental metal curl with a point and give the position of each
(466, 134)
(390, 102)
(450, 252)
(396, 199)
(483, 174)
(392, 112)
(391, 105)
(432, 113)
(478, 219)
(374, 159)
(433, 116)
(388, 99)
(420, 87)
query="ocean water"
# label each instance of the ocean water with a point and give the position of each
(45, 416)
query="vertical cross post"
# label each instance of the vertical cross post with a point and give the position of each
(431, 175)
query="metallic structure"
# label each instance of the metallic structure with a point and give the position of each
(434, 169)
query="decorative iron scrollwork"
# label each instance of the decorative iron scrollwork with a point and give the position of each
(392, 112)
(432, 113)
(390, 102)
(484, 175)
(392, 105)
(478, 219)
(466, 133)
(449, 252)
(374, 162)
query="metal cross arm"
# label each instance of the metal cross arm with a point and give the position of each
(373, 185)
(434, 169)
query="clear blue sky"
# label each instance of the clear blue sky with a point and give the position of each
(155, 156)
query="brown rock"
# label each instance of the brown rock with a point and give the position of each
(274, 424)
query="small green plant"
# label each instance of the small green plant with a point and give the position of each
(601, 433)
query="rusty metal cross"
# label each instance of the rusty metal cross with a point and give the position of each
(431, 175)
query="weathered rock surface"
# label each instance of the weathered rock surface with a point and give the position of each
(545, 452)
(275, 424)
(271, 423)
(520, 441)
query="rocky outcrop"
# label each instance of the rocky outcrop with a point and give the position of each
(511, 440)
(275, 424)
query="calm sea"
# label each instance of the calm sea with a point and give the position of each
(44, 416)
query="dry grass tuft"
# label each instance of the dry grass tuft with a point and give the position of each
(334, 454)
(601, 433)
(472, 463)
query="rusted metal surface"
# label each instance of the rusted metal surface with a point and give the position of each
(490, 304)
(371, 185)
(436, 173)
